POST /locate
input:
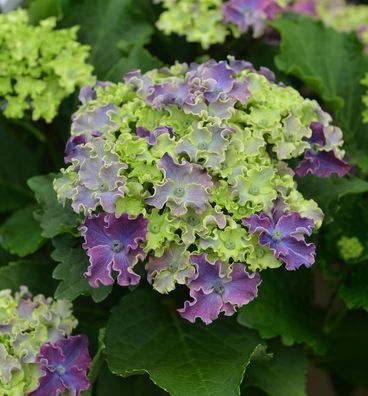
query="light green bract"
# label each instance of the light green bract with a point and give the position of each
(193, 160)
(39, 66)
(26, 323)
(350, 248)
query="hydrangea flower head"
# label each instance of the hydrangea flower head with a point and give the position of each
(64, 366)
(40, 66)
(182, 156)
(27, 323)
(208, 22)
(350, 248)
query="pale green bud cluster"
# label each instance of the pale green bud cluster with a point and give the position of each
(349, 248)
(39, 66)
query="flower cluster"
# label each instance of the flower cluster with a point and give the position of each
(36, 358)
(187, 170)
(210, 21)
(350, 248)
(40, 66)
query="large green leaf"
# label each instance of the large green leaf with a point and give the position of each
(21, 234)
(283, 375)
(145, 334)
(73, 263)
(328, 192)
(52, 216)
(354, 291)
(34, 274)
(41, 9)
(330, 62)
(112, 28)
(283, 308)
(17, 164)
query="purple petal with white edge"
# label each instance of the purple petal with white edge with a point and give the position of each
(64, 365)
(259, 223)
(73, 148)
(83, 201)
(93, 120)
(99, 270)
(322, 164)
(207, 307)
(161, 195)
(93, 230)
(207, 274)
(242, 288)
(292, 223)
(152, 136)
(123, 264)
(295, 253)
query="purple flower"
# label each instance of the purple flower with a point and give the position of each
(250, 13)
(185, 185)
(88, 92)
(72, 148)
(94, 120)
(113, 244)
(214, 290)
(64, 365)
(306, 7)
(284, 233)
(152, 136)
(317, 160)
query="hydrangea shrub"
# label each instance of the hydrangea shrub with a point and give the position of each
(39, 66)
(189, 170)
(38, 355)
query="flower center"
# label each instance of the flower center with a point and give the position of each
(155, 229)
(277, 235)
(192, 220)
(230, 244)
(116, 246)
(172, 267)
(219, 289)
(254, 190)
(260, 252)
(179, 192)
(104, 187)
(202, 146)
(60, 369)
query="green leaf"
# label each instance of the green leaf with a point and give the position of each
(42, 9)
(354, 291)
(34, 274)
(21, 233)
(17, 164)
(73, 264)
(136, 385)
(52, 216)
(146, 334)
(333, 64)
(283, 308)
(105, 25)
(138, 58)
(347, 355)
(328, 192)
(283, 375)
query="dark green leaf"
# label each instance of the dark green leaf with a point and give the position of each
(33, 274)
(107, 25)
(354, 291)
(52, 216)
(328, 192)
(41, 9)
(330, 62)
(21, 233)
(138, 58)
(145, 334)
(283, 375)
(73, 264)
(283, 308)
(17, 164)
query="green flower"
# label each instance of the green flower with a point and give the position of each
(350, 248)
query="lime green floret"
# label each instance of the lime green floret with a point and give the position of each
(27, 323)
(39, 66)
(350, 248)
